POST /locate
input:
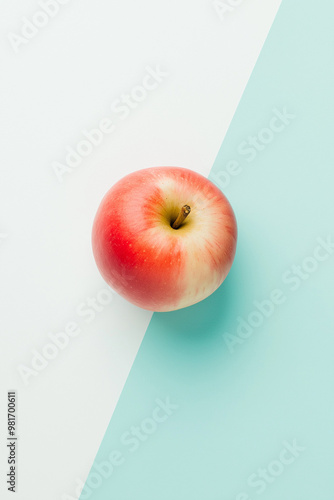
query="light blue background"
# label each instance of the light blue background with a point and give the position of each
(236, 409)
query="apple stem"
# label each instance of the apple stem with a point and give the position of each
(184, 212)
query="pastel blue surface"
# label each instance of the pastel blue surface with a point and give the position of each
(232, 399)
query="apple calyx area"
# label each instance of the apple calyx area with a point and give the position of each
(184, 212)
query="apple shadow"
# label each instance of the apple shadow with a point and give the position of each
(196, 330)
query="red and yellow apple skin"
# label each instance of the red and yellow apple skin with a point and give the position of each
(148, 262)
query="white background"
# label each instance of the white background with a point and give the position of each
(61, 82)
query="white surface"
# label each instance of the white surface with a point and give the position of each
(61, 82)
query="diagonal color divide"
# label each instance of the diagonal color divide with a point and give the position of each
(232, 398)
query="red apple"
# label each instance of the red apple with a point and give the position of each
(149, 262)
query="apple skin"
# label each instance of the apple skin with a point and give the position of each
(148, 262)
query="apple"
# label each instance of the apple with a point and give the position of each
(164, 238)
